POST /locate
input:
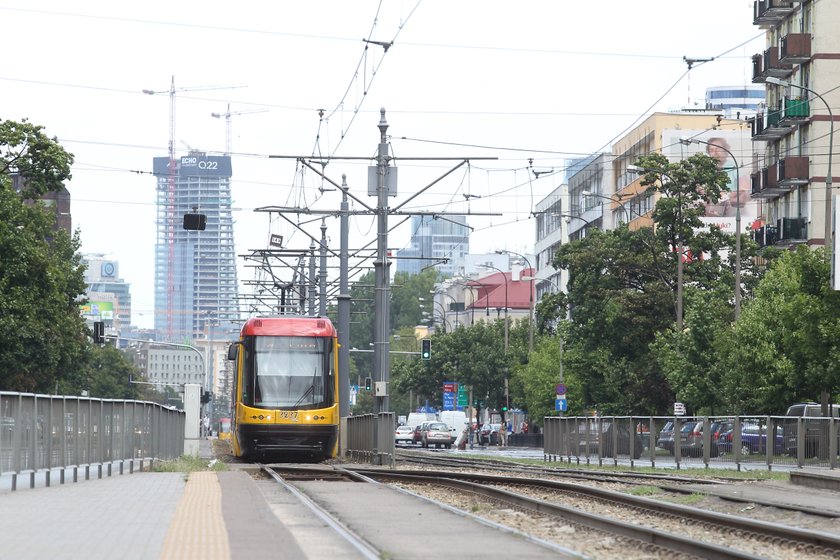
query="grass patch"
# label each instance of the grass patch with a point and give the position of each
(689, 499)
(188, 464)
(644, 490)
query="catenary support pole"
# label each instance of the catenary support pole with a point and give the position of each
(344, 307)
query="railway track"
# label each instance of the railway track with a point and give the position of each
(363, 547)
(546, 499)
(665, 482)
(723, 525)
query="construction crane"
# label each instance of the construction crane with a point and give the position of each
(171, 219)
(227, 115)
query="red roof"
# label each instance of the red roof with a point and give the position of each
(491, 292)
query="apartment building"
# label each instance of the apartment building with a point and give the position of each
(792, 137)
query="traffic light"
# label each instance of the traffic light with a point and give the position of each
(195, 221)
(206, 397)
(426, 349)
(504, 409)
(98, 332)
(368, 383)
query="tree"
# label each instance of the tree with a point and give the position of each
(785, 347)
(685, 187)
(618, 303)
(107, 374)
(40, 161)
(42, 335)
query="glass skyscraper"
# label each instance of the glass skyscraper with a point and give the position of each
(195, 270)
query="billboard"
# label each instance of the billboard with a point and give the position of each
(195, 165)
(98, 310)
(738, 168)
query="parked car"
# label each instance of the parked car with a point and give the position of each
(666, 437)
(589, 437)
(404, 434)
(753, 440)
(437, 434)
(691, 440)
(815, 429)
(418, 432)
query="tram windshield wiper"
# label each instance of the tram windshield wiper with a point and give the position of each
(309, 391)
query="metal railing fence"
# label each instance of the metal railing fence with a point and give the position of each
(42, 433)
(370, 438)
(751, 441)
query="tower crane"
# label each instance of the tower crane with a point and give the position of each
(227, 115)
(171, 219)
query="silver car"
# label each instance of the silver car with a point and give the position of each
(437, 434)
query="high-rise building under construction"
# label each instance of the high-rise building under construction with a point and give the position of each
(195, 270)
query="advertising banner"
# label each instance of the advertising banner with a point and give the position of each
(736, 162)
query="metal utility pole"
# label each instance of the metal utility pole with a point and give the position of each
(381, 343)
(344, 306)
(322, 279)
(311, 280)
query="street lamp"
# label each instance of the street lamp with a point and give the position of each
(443, 314)
(737, 218)
(559, 332)
(474, 284)
(504, 277)
(455, 301)
(530, 297)
(828, 197)
(611, 199)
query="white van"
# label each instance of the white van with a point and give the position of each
(417, 418)
(456, 420)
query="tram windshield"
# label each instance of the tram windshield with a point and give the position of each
(291, 372)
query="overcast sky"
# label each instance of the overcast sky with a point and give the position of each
(531, 83)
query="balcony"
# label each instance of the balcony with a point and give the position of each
(793, 171)
(795, 48)
(792, 230)
(770, 126)
(769, 13)
(767, 65)
(765, 235)
(795, 110)
(763, 183)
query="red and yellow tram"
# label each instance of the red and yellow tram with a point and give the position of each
(285, 388)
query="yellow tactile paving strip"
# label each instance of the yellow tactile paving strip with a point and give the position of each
(198, 528)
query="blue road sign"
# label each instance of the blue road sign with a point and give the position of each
(561, 405)
(449, 401)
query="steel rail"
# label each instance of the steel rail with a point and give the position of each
(645, 535)
(761, 529)
(365, 548)
(656, 480)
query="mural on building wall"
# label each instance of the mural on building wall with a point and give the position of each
(739, 143)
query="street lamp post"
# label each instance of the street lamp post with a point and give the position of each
(611, 199)
(530, 298)
(828, 196)
(443, 314)
(559, 333)
(737, 219)
(473, 284)
(455, 301)
(504, 277)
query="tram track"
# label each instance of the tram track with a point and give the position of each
(667, 483)
(365, 549)
(659, 528)
(520, 493)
